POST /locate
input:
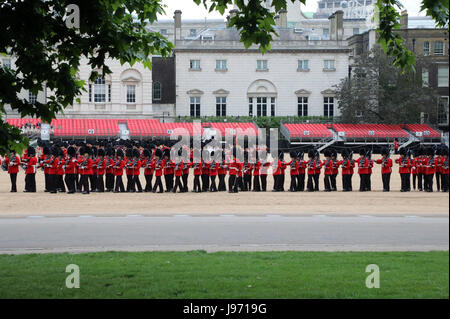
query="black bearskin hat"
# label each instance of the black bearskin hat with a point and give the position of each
(31, 151)
(71, 151)
(46, 150)
(146, 153)
(136, 153)
(119, 153)
(311, 153)
(344, 153)
(55, 151)
(94, 151)
(129, 152)
(362, 152)
(327, 153)
(158, 152)
(384, 151)
(403, 152)
(301, 155)
(293, 154)
(101, 152)
(85, 150)
(281, 155)
(166, 152)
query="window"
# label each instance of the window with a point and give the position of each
(438, 48)
(6, 63)
(99, 90)
(157, 92)
(250, 106)
(261, 65)
(328, 64)
(355, 30)
(109, 92)
(32, 98)
(426, 48)
(195, 106)
(90, 92)
(328, 106)
(221, 106)
(195, 64)
(193, 32)
(303, 65)
(443, 76)
(443, 110)
(221, 65)
(425, 77)
(261, 106)
(164, 31)
(302, 103)
(326, 33)
(272, 106)
(321, 5)
(131, 93)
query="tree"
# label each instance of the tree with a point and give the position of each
(379, 92)
(48, 52)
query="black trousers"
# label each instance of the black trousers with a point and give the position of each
(30, 183)
(205, 182)
(419, 182)
(347, 182)
(119, 187)
(185, 182)
(428, 182)
(52, 181)
(13, 178)
(247, 183)
(333, 182)
(100, 184)
(222, 186)
(129, 183)
(316, 182)
(293, 186)
(109, 183)
(178, 184)
(300, 182)
(70, 182)
(310, 183)
(444, 182)
(232, 184)
(78, 182)
(240, 182)
(148, 183)
(282, 178)
(327, 183)
(197, 186)
(213, 187)
(405, 182)
(60, 183)
(93, 181)
(137, 183)
(158, 184)
(256, 184)
(84, 181)
(276, 183)
(364, 185)
(386, 178)
(414, 181)
(438, 181)
(263, 182)
(46, 176)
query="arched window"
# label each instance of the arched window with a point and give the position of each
(157, 91)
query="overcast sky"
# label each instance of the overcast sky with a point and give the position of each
(192, 11)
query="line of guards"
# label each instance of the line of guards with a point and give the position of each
(98, 168)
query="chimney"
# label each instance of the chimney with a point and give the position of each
(233, 13)
(339, 20)
(404, 20)
(177, 24)
(332, 30)
(283, 18)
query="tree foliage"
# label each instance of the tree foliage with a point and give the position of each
(379, 92)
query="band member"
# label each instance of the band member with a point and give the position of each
(93, 175)
(119, 164)
(222, 173)
(386, 169)
(60, 187)
(213, 170)
(160, 163)
(197, 165)
(294, 166)
(444, 170)
(420, 168)
(52, 165)
(30, 171)
(168, 170)
(318, 166)
(136, 166)
(415, 165)
(264, 171)
(301, 172)
(363, 171)
(311, 170)
(277, 180)
(404, 170)
(247, 173)
(128, 169)
(334, 170)
(185, 176)
(437, 162)
(12, 163)
(148, 170)
(235, 167)
(256, 173)
(109, 172)
(328, 166)
(347, 165)
(70, 169)
(430, 169)
(85, 169)
(101, 169)
(178, 171)
(205, 175)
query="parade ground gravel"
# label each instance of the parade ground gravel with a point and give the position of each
(244, 203)
(198, 274)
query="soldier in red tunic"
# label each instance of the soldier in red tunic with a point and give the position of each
(70, 169)
(404, 170)
(386, 169)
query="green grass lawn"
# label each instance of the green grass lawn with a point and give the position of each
(198, 274)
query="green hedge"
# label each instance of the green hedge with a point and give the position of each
(263, 122)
